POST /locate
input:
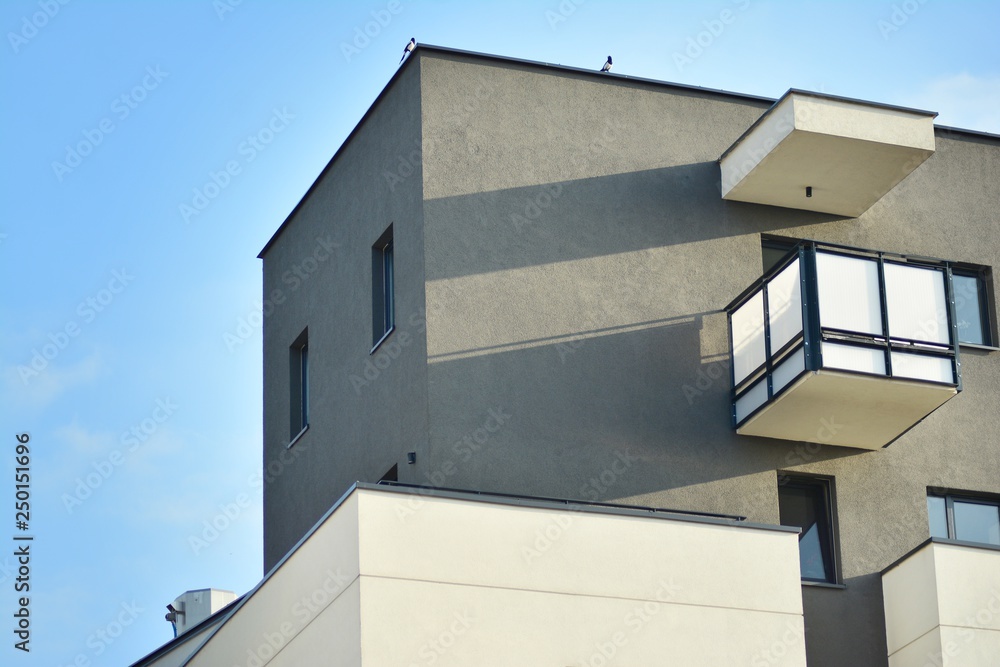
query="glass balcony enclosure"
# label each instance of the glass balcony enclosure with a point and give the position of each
(843, 346)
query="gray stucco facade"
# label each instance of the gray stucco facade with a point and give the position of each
(562, 260)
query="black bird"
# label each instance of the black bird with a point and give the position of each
(607, 65)
(408, 47)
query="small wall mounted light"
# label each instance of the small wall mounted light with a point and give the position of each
(809, 191)
(411, 457)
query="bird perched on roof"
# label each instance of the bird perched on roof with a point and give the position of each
(408, 48)
(607, 65)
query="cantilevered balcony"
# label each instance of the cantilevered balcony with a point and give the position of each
(843, 346)
(942, 606)
(824, 153)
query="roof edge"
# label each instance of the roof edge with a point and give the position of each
(431, 48)
(823, 96)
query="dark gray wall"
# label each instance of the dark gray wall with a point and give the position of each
(366, 410)
(578, 254)
(563, 255)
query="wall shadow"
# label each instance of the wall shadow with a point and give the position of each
(578, 405)
(591, 217)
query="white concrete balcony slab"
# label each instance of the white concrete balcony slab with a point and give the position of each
(942, 606)
(825, 153)
(400, 576)
(843, 346)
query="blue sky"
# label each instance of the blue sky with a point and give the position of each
(131, 341)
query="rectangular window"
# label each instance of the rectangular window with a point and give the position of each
(806, 503)
(965, 518)
(973, 305)
(772, 250)
(383, 301)
(298, 382)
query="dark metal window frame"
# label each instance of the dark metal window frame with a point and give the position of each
(383, 289)
(982, 274)
(827, 488)
(987, 300)
(989, 500)
(813, 334)
(298, 383)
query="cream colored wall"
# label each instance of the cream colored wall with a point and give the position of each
(315, 584)
(942, 607)
(455, 582)
(397, 578)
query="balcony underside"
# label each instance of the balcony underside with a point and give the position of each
(847, 409)
(849, 153)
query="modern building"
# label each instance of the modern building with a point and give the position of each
(650, 374)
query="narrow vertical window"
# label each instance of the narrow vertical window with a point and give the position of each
(806, 503)
(298, 382)
(383, 277)
(973, 305)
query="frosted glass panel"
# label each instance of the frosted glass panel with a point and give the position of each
(852, 358)
(788, 370)
(920, 367)
(751, 400)
(748, 337)
(848, 293)
(784, 306)
(915, 301)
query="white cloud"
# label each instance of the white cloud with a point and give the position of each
(83, 443)
(963, 100)
(27, 387)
